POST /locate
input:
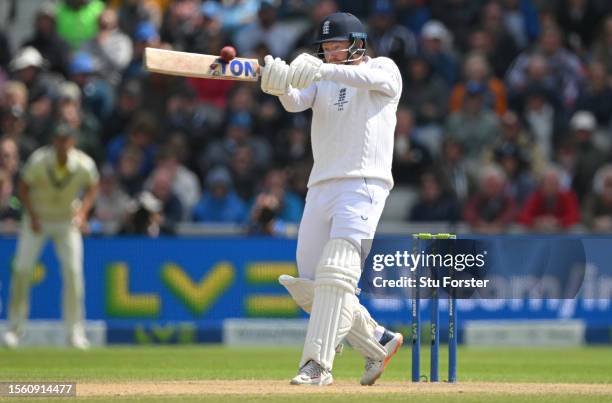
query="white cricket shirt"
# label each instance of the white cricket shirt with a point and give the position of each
(54, 192)
(353, 119)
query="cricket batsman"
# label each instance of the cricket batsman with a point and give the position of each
(354, 100)
(51, 182)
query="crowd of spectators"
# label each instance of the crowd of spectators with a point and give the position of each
(505, 116)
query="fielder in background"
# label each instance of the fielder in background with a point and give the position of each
(354, 100)
(51, 182)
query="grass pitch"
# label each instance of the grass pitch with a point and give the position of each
(215, 373)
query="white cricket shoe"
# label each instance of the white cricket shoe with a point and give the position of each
(374, 368)
(313, 374)
(79, 342)
(10, 340)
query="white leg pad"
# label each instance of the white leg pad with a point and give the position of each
(361, 336)
(300, 289)
(333, 307)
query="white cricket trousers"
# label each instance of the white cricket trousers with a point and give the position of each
(68, 244)
(339, 208)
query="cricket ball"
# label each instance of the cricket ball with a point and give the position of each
(227, 53)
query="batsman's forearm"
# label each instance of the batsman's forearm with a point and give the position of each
(362, 76)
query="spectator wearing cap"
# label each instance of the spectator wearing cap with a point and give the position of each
(77, 20)
(476, 69)
(85, 125)
(277, 36)
(98, 94)
(597, 211)
(387, 37)
(589, 156)
(428, 95)
(29, 67)
(435, 202)
(238, 133)
(565, 68)
(596, 96)
(491, 210)
(145, 35)
(111, 49)
(550, 208)
(46, 40)
(219, 204)
(436, 47)
(474, 126)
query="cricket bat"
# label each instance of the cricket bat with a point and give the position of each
(196, 65)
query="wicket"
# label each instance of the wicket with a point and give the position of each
(435, 324)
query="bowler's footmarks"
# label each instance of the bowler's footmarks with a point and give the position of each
(313, 374)
(374, 368)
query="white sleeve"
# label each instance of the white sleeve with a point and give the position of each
(380, 75)
(299, 100)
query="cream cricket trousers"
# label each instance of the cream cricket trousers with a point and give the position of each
(68, 244)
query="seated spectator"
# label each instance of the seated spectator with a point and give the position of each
(185, 184)
(9, 157)
(171, 208)
(387, 37)
(244, 173)
(110, 49)
(219, 204)
(13, 125)
(435, 203)
(519, 181)
(290, 206)
(411, 158)
(413, 14)
(98, 94)
(477, 70)
(278, 36)
(86, 126)
(597, 211)
(144, 36)
(238, 133)
(492, 209)
(293, 145)
(129, 102)
(13, 94)
(589, 156)
(133, 12)
(77, 20)
(602, 48)
(180, 23)
(129, 170)
(436, 47)
(184, 114)
(112, 205)
(566, 72)
(428, 93)
(10, 206)
(458, 16)
(550, 208)
(546, 124)
(501, 48)
(54, 49)
(474, 126)
(596, 96)
(577, 19)
(455, 168)
(522, 21)
(141, 134)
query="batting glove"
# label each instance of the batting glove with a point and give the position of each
(274, 78)
(305, 69)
